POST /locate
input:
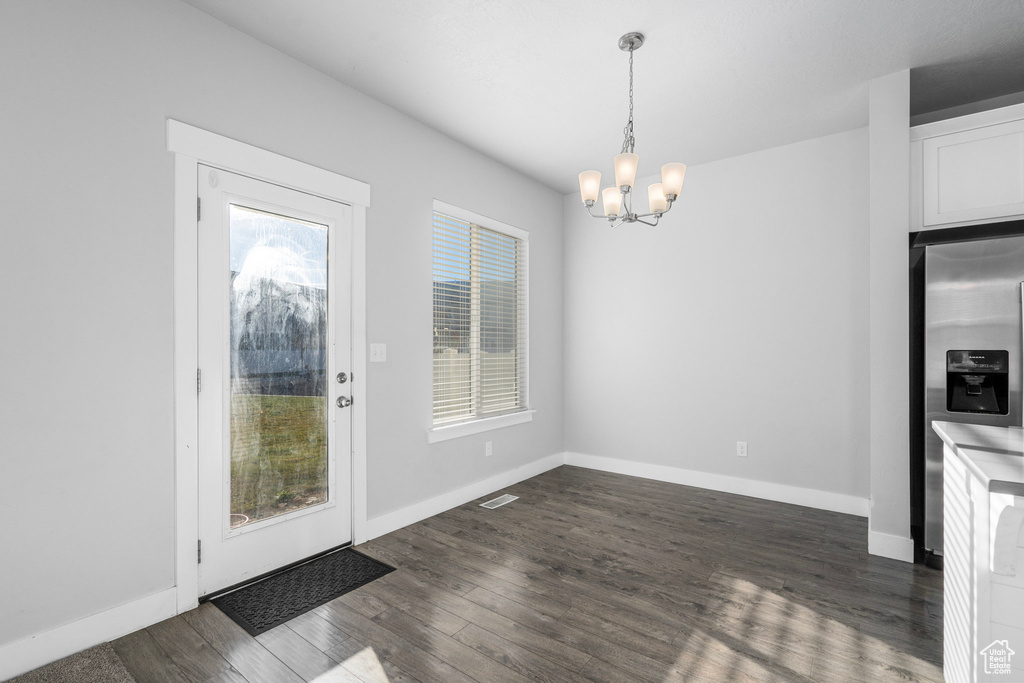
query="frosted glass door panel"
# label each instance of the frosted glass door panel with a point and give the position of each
(278, 381)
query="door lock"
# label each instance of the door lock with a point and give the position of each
(344, 401)
(342, 378)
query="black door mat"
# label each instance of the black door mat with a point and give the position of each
(274, 600)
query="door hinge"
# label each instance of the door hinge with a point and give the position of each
(199, 557)
(199, 380)
(199, 209)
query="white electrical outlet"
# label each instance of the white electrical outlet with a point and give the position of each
(488, 451)
(378, 353)
(741, 449)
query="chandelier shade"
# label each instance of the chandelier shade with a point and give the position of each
(616, 201)
(612, 201)
(656, 200)
(625, 169)
(590, 186)
(672, 179)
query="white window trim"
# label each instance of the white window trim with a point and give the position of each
(482, 221)
(486, 424)
(483, 424)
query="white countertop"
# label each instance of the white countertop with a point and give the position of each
(995, 455)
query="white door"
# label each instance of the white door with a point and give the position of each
(274, 358)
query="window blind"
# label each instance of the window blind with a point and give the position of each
(480, 321)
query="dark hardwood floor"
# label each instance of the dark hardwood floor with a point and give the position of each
(592, 576)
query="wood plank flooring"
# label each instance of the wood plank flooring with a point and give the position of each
(591, 576)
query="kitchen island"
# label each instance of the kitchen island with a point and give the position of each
(983, 552)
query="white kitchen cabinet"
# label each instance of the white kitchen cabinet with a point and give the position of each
(983, 553)
(965, 579)
(968, 170)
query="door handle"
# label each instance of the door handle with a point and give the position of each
(344, 401)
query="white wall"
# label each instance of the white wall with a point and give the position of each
(86, 284)
(742, 317)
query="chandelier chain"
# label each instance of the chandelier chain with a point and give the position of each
(628, 142)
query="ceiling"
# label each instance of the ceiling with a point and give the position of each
(541, 85)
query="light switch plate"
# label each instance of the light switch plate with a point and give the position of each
(378, 353)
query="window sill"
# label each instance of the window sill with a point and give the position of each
(477, 426)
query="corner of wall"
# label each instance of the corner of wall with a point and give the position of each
(889, 314)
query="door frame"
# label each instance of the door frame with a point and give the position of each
(192, 146)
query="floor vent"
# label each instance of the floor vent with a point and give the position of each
(499, 501)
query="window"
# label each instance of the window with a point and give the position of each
(480, 320)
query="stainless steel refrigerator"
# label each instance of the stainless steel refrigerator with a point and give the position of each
(972, 349)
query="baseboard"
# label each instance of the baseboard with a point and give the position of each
(386, 523)
(893, 547)
(781, 493)
(33, 652)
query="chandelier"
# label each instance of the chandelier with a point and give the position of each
(618, 205)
